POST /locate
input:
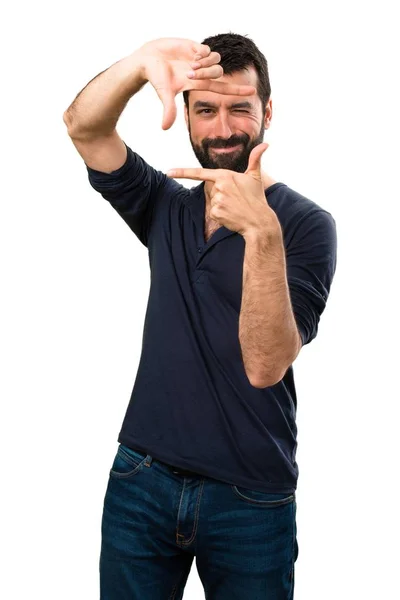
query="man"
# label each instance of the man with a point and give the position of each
(241, 268)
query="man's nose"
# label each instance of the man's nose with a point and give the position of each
(222, 128)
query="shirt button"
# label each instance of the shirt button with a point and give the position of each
(199, 249)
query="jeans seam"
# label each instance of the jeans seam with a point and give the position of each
(293, 546)
(196, 519)
(130, 460)
(271, 503)
(176, 586)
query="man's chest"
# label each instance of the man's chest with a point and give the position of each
(210, 227)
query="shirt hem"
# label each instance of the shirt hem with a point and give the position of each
(277, 488)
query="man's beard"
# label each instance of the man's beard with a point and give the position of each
(236, 160)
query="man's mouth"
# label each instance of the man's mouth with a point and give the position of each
(231, 149)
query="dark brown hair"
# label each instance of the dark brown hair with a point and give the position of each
(237, 53)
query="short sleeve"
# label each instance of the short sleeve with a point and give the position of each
(310, 266)
(132, 190)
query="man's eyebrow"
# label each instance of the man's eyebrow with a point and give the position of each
(202, 104)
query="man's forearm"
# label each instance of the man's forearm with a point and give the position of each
(268, 333)
(97, 108)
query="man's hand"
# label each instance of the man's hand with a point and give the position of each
(237, 199)
(167, 66)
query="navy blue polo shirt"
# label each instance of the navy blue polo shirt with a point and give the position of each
(192, 405)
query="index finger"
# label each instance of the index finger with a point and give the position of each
(199, 174)
(202, 49)
(223, 88)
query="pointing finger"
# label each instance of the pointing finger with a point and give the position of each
(199, 174)
(222, 88)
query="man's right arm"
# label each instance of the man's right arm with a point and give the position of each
(121, 176)
(92, 117)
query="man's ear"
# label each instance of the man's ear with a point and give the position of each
(185, 111)
(268, 114)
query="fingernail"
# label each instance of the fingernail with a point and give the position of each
(191, 74)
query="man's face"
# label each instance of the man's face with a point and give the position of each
(215, 124)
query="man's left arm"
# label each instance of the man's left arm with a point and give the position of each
(283, 294)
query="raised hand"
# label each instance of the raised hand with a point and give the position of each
(168, 63)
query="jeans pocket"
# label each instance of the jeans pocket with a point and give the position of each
(127, 462)
(267, 499)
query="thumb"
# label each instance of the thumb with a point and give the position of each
(254, 166)
(168, 99)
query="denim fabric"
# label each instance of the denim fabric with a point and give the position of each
(157, 518)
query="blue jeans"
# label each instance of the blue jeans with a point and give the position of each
(157, 518)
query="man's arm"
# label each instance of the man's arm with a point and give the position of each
(92, 117)
(268, 333)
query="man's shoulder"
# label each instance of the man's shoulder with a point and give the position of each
(286, 201)
(295, 210)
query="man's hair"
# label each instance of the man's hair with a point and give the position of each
(239, 52)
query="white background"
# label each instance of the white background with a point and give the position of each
(75, 281)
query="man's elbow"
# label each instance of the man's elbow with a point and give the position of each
(263, 382)
(270, 379)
